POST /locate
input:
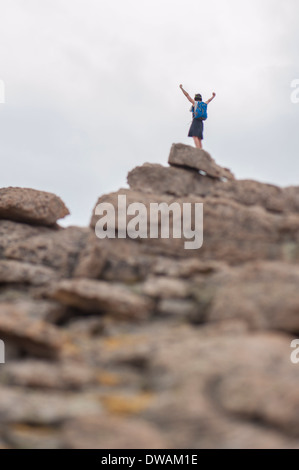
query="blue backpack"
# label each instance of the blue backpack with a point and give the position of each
(200, 110)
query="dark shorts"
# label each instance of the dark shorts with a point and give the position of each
(196, 129)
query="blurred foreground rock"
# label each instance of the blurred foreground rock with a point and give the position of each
(30, 205)
(140, 343)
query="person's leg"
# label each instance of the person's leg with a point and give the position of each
(197, 142)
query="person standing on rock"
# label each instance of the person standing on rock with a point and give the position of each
(199, 111)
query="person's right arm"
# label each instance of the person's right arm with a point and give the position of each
(187, 95)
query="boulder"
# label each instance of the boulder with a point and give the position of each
(250, 193)
(43, 412)
(12, 233)
(265, 294)
(31, 206)
(153, 178)
(32, 373)
(101, 297)
(12, 272)
(186, 156)
(60, 250)
(110, 432)
(33, 336)
(232, 232)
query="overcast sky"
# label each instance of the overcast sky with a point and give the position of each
(92, 90)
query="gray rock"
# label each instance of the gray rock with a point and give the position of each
(165, 287)
(91, 258)
(31, 206)
(102, 297)
(185, 268)
(140, 343)
(59, 250)
(232, 232)
(32, 373)
(198, 159)
(12, 233)
(35, 337)
(158, 179)
(26, 273)
(250, 193)
(264, 294)
(106, 432)
(24, 436)
(37, 408)
(178, 309)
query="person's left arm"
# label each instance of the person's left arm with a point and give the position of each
(209, 101)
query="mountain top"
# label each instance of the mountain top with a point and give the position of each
(139, 342)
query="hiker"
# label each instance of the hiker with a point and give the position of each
(199, 112)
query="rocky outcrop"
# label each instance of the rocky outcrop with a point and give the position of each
(101, 297)
(154, 178)
(30, 205)
(57, 249)
(31, 335)
(139, 342)
(186, 156)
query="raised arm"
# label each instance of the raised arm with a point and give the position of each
(186, 94)
(213, 96)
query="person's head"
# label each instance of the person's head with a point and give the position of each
(198, 97)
